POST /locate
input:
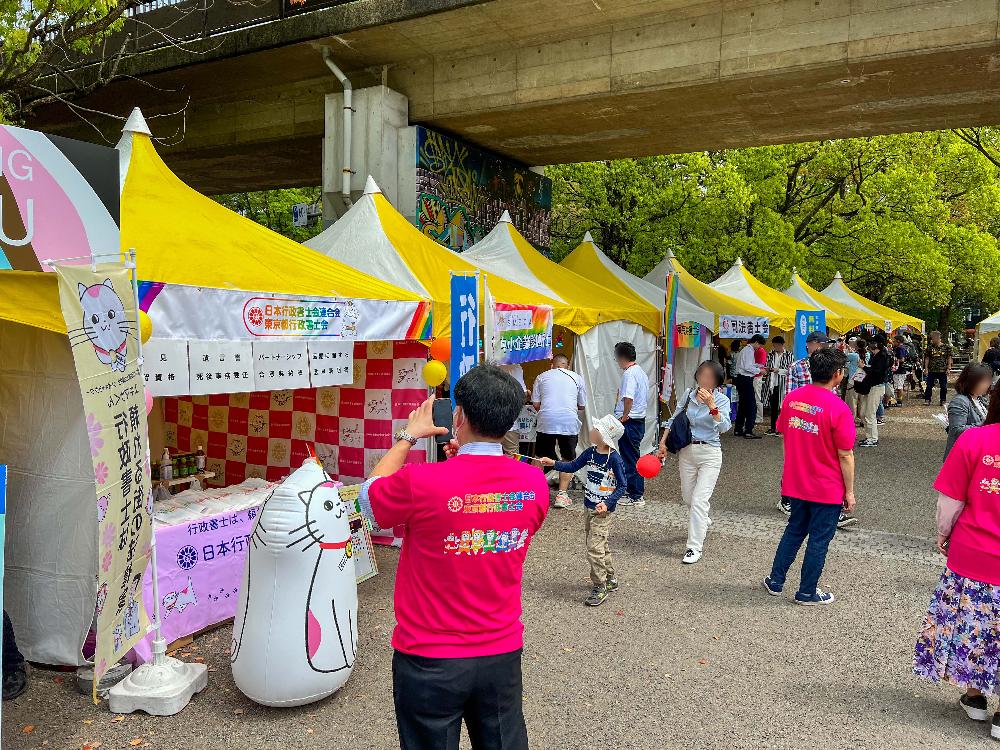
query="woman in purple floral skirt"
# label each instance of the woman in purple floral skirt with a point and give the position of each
(960, 640)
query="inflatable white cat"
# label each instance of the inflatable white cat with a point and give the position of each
(296, 629)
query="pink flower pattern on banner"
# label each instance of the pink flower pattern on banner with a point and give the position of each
(94, 433)
(101, 473)
(106, 561)
(102, 667)
(110, 532)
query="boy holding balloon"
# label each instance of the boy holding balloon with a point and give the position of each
(604, 486)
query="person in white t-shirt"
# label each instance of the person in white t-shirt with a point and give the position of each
(633, 397)
(558, 395)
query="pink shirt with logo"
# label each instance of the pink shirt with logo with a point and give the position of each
(816, 424)
(971, 474)
(469, 521)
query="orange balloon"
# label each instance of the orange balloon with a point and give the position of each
(441, 349)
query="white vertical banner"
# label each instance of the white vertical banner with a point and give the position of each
(489, 324)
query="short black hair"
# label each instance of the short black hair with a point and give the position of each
(716, 368)
(625, 350)
(824, 364)
(757, 339)
(491, 400)
(778, 340)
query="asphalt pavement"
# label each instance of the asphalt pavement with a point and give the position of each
(680, 657)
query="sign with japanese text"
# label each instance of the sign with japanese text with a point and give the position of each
(272, 316)
(331, 362)
(743, 326)
(807, 321)
(691, 335)
(281, 364)
(103, 324)
(165, 367)
(220, 367)
(464, 327)
(521, 333)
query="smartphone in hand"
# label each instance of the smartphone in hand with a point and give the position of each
(442, 414)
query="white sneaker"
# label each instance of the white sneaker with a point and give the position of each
(562, 500)
(691, 557)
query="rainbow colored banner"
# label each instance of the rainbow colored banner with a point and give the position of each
(669, 328)
(521, 333)
(689, 335)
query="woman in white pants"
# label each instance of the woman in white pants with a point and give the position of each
(699, 463)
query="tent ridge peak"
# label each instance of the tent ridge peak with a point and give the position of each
(136, 123)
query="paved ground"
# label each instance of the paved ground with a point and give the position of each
(695, 657)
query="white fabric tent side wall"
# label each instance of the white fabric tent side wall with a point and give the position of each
(51, 548)
(594, 359)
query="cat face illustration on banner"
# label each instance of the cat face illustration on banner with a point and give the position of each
(104, 325)
(295, 635)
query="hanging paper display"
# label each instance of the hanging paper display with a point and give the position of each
(521, 333)
(220, 367)
(743, 326)
(103, 324)
(690, 335)
(331, 363)
(280, 364)
(165, 367)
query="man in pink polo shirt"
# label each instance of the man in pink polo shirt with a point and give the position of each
(818, 475)
(469, 521)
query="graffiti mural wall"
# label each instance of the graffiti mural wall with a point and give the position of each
(462, 190)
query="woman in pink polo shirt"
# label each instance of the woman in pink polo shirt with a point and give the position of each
(960, 640)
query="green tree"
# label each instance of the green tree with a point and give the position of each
(273, 209)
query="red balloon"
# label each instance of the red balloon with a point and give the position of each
(648, 466)
(441, 349)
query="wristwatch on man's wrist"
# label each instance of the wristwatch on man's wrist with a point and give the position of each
(402, 434)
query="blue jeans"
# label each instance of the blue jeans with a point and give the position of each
(941, 378)
(818, 521)
(628, 447)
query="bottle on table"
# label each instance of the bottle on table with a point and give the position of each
(166, 466)
(200, 459)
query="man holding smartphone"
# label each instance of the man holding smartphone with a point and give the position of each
(469, 521)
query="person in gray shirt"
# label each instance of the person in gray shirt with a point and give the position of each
(967, 409)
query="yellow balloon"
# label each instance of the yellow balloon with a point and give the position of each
(145, 327)
(434, 373)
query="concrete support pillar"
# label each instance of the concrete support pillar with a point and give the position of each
(380, 114)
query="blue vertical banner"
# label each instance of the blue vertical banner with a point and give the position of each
(807, 321)
(464, 327)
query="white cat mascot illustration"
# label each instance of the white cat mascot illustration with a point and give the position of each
(104, 325)
(295, 635)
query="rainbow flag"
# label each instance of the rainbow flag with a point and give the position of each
(669, 328)
(689, 335)
(521, 458)
(420, 326)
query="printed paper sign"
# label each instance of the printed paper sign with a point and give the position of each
(527, 424)
(165, 367)
(522, 333)
(103, 325)
(220, 367)
(273, 316)
(280, 365)
(743, 326)
(365, 566)
(331, 363)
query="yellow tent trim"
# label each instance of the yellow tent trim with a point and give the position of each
(784, 306)
(31, 298)
(894, 316)
(592, 299)
(714, 300)
(848, 317)
(183, 237)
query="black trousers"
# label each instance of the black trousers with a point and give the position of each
(746, 409)
(433, 696)
(774, 404)
(12, 659)
(545, 446)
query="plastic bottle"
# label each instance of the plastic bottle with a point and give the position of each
(166, 467)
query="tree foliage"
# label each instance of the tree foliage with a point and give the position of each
(909, 220)
(273, 209)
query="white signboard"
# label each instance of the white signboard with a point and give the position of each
(527, 424)
(280, 365)
(220, 367)
(742, 326)
(331, 362)
(165, 367)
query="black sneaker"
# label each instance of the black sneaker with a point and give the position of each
(845, 520)
(612, 585)
(15, 683)
(751, 436)
(597, 596)
(771, 433)
(785, 507)
(975, 707)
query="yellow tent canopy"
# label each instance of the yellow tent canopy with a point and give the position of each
(589, 261)
(740, 283)
(31, 298)
(591, 301)
(712, 300)
(375, 238)
(839, 291)
(840, 317)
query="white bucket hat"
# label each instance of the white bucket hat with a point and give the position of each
(610, 428)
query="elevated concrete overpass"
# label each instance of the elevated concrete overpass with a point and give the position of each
(548, 81)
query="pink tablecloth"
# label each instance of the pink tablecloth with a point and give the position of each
(201, 568)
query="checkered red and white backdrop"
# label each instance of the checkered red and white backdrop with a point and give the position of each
(266, 434)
